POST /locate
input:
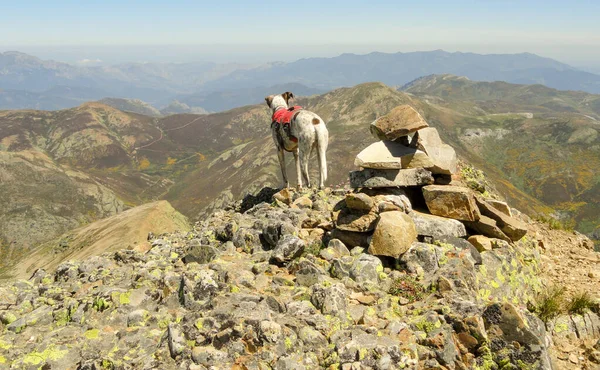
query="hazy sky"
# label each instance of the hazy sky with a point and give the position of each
(245, 31)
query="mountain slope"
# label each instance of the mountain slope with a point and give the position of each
(127, 230)
(66, 168)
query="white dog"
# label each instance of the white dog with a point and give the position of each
(298, 131)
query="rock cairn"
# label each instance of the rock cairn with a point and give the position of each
(411, 164)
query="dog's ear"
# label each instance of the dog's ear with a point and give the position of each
(269, 100)
(287, 96)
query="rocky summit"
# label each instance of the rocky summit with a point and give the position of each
(420, 275)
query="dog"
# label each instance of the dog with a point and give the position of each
(304, 132)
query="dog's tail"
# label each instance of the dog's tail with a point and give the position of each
(322, 140)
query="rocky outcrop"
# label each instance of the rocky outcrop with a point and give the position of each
(269, 287)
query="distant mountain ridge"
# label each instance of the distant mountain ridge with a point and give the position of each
(398, 69)
(29, 82)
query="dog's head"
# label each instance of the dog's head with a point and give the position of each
(279, 101)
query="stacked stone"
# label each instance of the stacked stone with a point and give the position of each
(411, 156)
(399, 159)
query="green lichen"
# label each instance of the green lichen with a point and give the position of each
(125, 298)
(487, 358)
(2, 359)
(288, 343)
(525, 366)
(484, 294)
(62, 317)
(559, 328)
(8, 318)
(4, 345)
(50, 353)
(427, 326)
(92, 334)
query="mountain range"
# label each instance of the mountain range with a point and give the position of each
(66, 168)
(27, 82)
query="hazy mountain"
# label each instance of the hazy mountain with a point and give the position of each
(401, 68)
(223, 100)
(177, 107)
(30, 82)
(146, 81)
(131, 105)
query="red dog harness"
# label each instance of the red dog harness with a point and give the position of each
(284, 116)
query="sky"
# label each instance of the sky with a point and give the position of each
(112, 31)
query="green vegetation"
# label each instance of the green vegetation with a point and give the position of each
(555, 224)
(549, 304)
(580, 303)
(407, 287)
(552, 303)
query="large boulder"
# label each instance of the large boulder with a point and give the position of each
(391, 155)
(435, 226)
(451, 202)
(394, 234)
(442, 156)
(510, 226)
(372, 178)
(400, 121)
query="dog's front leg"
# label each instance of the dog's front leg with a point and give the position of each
(298, 169)
(286, 184)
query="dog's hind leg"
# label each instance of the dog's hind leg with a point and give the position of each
(298, 170)
(281, 157)
(322, 141)
(304, 150)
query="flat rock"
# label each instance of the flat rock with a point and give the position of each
(487, 226)
(359, 202)
(482, 243)
(394, 234)
(400, 121)
(435, 226)
(510, 226)
(391, 155)
(442, 156)
(451, 202)
(349, 220)
(372, 178)
(500, 206)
